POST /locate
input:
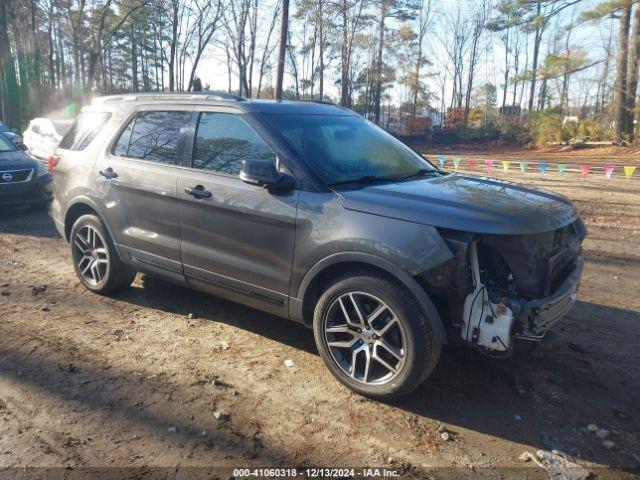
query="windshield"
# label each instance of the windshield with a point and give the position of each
(345, 148)
(6, 145)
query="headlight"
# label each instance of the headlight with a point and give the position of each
(42, 170)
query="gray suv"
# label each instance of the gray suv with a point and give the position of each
(310, 212)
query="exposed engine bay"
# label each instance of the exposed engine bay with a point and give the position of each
(502, 287)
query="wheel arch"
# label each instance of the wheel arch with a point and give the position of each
(85, 206)
(310, 288)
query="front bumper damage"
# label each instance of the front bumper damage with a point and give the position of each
(498, 288)
(538, 316)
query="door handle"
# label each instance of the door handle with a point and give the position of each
(108, 173)
(197, 192)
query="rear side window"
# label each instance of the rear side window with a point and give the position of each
(153, 136)
(224, 140)
(84, 130)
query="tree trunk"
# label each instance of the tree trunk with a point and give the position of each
(506, 70)
(378, 74)
(36, 79)
(470, 77)
(536, 50)
(416, 86)
(621, 74)
(321, 52)
(632, 75)
(134, 61)
(284, 29)
(344, 67)
(174, 41)
(605, 73)
(52, 72)
(8, 73)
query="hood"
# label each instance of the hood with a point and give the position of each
(467, 203)
(16, 160)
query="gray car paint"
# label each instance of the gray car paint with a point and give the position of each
(264, 248)
(463, 202)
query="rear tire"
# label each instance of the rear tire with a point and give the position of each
(95, 258)
(373, 335)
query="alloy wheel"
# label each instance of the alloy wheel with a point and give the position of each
(91, 255)
(365, 338)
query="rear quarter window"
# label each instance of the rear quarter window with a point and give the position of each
(84, 130)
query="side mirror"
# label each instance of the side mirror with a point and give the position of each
(23, 147)
(263, 173)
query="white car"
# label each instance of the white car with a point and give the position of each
(43, 135)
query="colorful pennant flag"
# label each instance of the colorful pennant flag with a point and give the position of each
(523, 166)
(488, 165)
(506, 164)
(585, 170)
(608, 170)
(456, 163)
(442, 159)
(628, 171)
(562, 167)
(472, 164)
(543, 167)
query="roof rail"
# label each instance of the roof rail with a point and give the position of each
(321, 102)
(132, 97)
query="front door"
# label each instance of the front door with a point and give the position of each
(237, 239)
(136, 187)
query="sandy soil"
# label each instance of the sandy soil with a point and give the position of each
(160, 377)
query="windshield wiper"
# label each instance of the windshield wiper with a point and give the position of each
(374, 179)
(418, 173)
(363, 179)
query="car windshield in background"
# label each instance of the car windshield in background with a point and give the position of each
(6, 145)
(62, 126)
(348, 148)
(84, 130)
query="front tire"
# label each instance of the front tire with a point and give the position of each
(95, 259)
(373, 336)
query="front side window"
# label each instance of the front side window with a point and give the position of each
(348, 147)
(84, 130)
(224, 140)
(153, 136)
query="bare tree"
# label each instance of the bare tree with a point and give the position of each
(478, 22)
(284, 35)
(620, 94)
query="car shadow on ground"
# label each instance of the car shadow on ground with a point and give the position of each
(33, 222)
(529, 398)
(88, 386)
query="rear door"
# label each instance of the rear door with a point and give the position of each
(237, 239)
(136, 188)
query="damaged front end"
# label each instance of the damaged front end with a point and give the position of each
(501, 287)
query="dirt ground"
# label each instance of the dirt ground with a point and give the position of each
(166, 380)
